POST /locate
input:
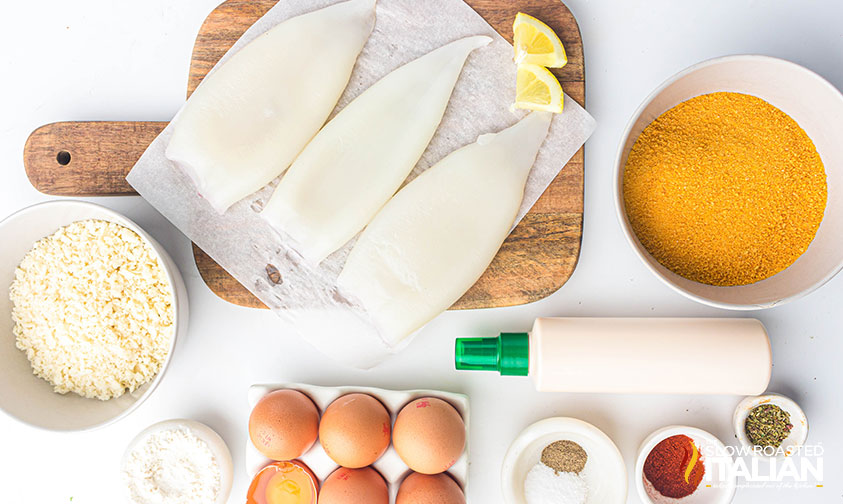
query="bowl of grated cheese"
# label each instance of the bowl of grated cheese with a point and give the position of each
(90, 309)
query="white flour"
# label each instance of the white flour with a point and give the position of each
(172, 466)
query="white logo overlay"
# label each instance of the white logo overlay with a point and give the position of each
(765, 467)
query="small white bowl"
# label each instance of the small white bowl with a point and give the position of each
(23, 395)
(818, 108)
(798, 435)
(218, 447)
(604, 473)
(719, 483)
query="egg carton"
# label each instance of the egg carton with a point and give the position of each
(390, 465)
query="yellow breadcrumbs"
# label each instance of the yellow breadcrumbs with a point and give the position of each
(724, 189)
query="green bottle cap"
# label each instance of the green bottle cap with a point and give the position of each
(508, 354)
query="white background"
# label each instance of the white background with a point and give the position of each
(128, 60)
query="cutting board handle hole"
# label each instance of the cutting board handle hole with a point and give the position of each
(63, 158)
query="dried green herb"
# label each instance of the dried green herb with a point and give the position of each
(564, 456)
(768, 425)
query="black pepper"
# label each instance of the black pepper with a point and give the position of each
(564, 456)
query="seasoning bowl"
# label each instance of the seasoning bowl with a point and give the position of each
(817, 107)
(218, 447)
(604, 473)
(23, 395)
(719, 482)
(792, 444)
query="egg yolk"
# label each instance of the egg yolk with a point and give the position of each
(283, 483)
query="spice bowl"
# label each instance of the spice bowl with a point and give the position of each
(215, 443)
(604, 472)
(794, 441)
(817, 107)
(25, 396)
(718, 484)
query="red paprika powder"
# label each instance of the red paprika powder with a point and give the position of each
(675, 467)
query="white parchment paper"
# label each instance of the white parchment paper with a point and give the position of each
(304, 296)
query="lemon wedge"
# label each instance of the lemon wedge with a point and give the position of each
(536, 43)
(537, 89)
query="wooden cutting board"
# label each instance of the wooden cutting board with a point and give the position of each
(92, 158)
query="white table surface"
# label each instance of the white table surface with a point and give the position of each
(123, 60)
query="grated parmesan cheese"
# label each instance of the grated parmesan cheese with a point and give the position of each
(93, 310)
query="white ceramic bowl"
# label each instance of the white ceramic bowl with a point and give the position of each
(818, 108)
(218, 447)
(22, 394)
(719, 483)
(798, 435)
(604, 473)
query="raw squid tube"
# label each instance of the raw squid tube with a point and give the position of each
(251, 117)
(361, 157)
(434, 239)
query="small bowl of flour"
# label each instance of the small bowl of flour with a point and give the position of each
(177, 462)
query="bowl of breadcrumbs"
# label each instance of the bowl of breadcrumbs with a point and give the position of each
(728, 182)
(90, 310)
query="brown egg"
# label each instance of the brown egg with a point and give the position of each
(284, 424)
(283, 482)
(354, 486)
(429, 435)
(355, 430)
(429, 489)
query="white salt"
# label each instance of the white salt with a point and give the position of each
(543, 485)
